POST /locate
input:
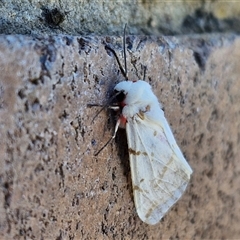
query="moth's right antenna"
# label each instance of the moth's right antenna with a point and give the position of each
(124, 51)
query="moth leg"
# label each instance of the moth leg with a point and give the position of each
(115, 108)
(116, 128)
(119, 121)
(114, 135)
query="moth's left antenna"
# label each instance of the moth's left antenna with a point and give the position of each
(123, 71)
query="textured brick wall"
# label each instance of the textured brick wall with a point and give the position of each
(52, 187)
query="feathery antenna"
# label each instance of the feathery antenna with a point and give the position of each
(123, 71)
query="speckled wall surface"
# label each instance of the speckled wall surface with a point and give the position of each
(52, 186)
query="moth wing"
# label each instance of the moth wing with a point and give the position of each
(159, 171)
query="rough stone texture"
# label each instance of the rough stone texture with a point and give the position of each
(108, 17)
(52, 186)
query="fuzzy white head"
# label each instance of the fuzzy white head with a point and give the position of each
(138, 97)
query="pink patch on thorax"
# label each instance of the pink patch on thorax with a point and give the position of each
(123, 121)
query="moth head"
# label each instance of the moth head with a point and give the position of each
(122, 89)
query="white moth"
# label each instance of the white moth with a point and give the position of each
(159, 171)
